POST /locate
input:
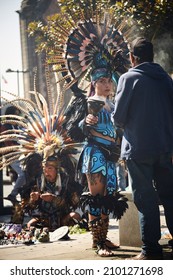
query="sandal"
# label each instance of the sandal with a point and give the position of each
(104, 251)
(111, 245)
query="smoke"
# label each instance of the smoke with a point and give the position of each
(163, 47)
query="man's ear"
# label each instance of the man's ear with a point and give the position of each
(132, 59)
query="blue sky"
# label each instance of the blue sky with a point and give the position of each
(10, 47)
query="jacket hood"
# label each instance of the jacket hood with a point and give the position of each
(150, 69)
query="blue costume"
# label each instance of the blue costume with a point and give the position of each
(97, 162)
(93, 158)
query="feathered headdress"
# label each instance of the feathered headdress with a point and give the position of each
(37, 131)
(91, 44)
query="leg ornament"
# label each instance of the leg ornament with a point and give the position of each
(92, 203)
(108, 243)
(104, 225)
(99, 228)
(115, 204)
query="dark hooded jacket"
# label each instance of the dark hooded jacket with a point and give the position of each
(144, 109)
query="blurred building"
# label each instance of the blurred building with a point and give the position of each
(32, 62)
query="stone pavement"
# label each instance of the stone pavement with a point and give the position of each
(78, 247)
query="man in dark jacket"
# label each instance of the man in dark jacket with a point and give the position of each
(144, 109)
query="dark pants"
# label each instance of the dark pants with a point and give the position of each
(146, 177)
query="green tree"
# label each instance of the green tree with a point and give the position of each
(154, 17)
(154, 20)
(150, 18)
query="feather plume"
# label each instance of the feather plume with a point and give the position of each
(38, 131)
(90, 43)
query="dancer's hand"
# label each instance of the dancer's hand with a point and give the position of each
(91, 119)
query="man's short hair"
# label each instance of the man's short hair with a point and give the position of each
(142, 49)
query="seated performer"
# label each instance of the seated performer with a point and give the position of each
(54, 203)
(50, 196)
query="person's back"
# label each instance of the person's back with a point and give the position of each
(144, 108)
(147, 113)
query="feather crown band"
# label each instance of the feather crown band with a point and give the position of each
(101, 72)
(52, 161)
